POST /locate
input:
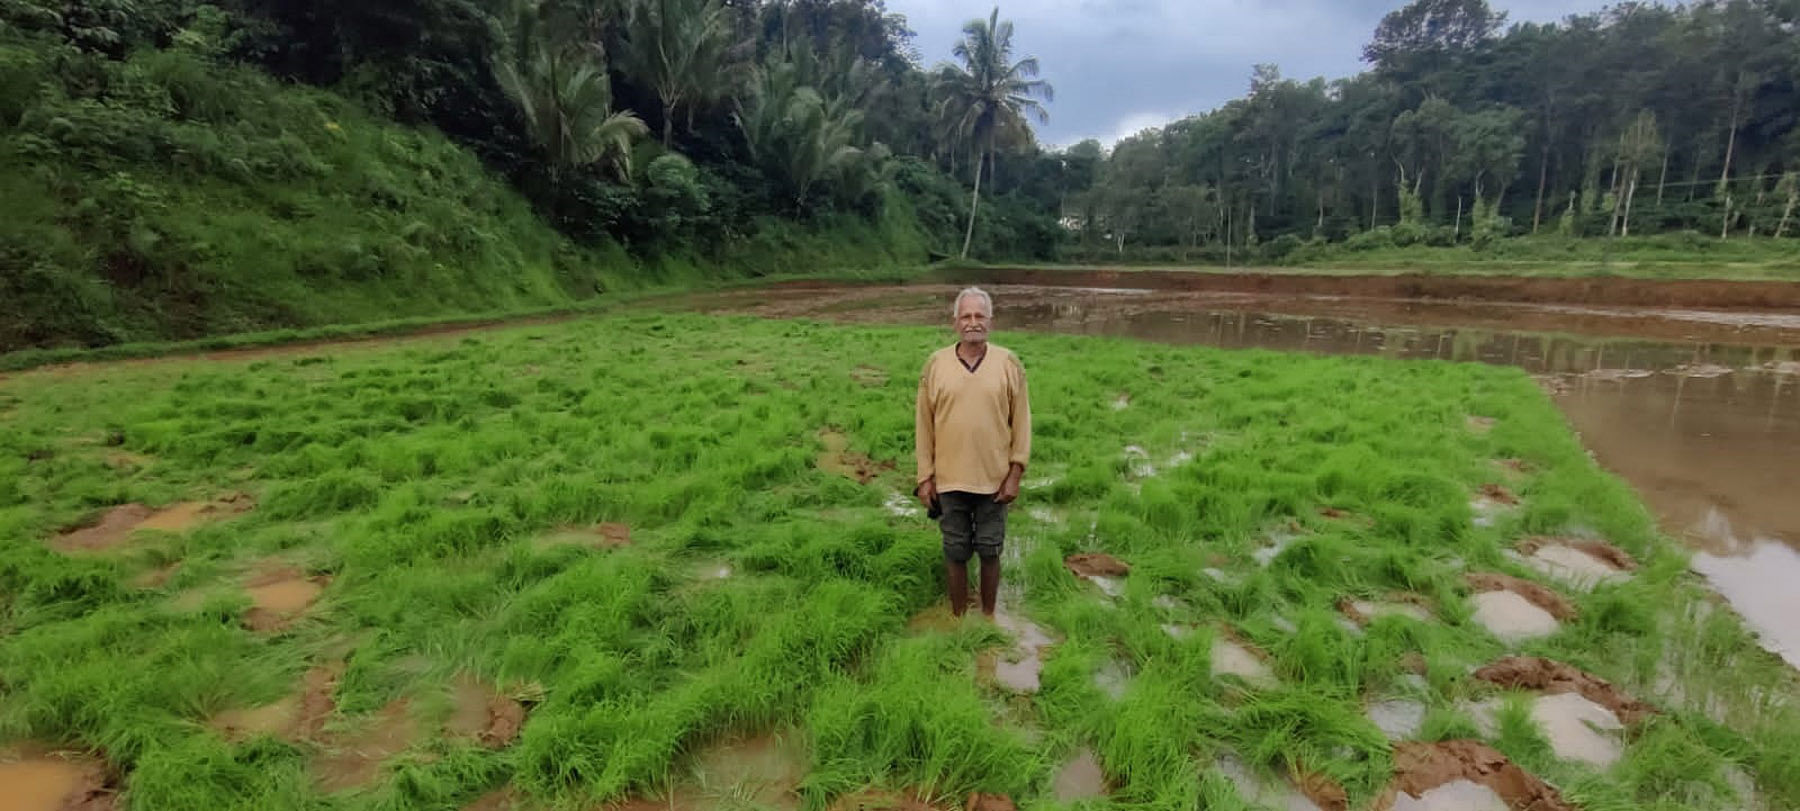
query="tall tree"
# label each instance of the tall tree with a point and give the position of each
(681, 49)
(987, 97)
(563, 94)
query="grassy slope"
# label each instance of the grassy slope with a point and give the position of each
(419, 476)
(170, 197)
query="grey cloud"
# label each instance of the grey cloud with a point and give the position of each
(1119, 61)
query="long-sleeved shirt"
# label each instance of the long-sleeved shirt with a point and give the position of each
(971, 425)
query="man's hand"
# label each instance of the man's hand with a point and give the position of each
(1009, 489)
(927, 492)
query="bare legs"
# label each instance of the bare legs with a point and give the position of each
(957, 581)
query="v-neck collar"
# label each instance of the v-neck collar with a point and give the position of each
(965, 364)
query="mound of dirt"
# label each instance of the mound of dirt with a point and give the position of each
(55, 781)
(1550, 676)
(1606, 553)
(1420, 767)
(1096, 564)
(1499, 493)
(1323, 791)
(1537, 595)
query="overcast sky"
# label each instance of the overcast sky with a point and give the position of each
(1119, 66)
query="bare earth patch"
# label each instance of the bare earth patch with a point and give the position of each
(1101, 569)
(54, 781)
(1550, 676)
(483, 714)
(605, 535)
(839, 459)
(296, 717)
(281, 596)
(1363, 612)
(113, 527)
(353, 759)
(1081, 778)
(1479, 425)
(762, 771)
(155, 577)
(1580, 562)
(869, 376)
(1421, 767)
(1499, 493)
(1537, 595)
(874, 799)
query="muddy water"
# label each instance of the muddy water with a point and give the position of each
(1698, 409)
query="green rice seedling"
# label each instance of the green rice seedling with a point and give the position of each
(672, 532)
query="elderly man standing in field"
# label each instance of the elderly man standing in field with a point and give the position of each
(973, 438)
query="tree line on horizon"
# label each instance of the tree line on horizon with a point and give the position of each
(1638, 119)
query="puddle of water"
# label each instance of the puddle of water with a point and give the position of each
(1695, 442)
(1019, 667)
(1421, 768)
(480, 713)
(1759, 581)
(354, 760)
(1511, 617)
(1398, 719)
(1576, 728)
(1371, 610)
(276, 604)
(50, 783)
(762, 771)
(270, 719)
(1080, 779)
(1112, 679)
(1231, 659)
(1263, 791)
(838, 459)
(1572, 566)
(1457, 795)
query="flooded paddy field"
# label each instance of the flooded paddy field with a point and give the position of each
(667, 561)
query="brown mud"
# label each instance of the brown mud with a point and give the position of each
(1604, 552)
(115, 526)
(875, 799)
(480, 713)
(1096, 564)
(839, 459)
(1610, 291)
(1401, 603)
(1499, 493)
(500, 799)
(1421, 767)
(1533, 593)
(281, 596)
(353, 759)
(605, 535)
(1550, 676)
(763, 771)
(296, 717)
(31, 780)
(1324, 792)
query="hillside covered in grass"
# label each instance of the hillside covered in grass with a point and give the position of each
(670, 559)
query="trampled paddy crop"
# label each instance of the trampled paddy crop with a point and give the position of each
(669, 561)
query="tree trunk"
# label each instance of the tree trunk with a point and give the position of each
(1662, 179)
(668, 124)
(1786, 212)
(1731, 137)
(974, 203)
(1456, 230)
(1630, 192)
(1725, 220)
(1537, 209)
(1374, 198)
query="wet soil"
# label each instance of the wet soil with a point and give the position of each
(296, 717)
(1363, 612)
(114, 527)
(54, 781)
(874, 799)
(1610, 291)
(480, 713)
(1549, 676)
(1576, 729)
(762, 771)
(1537, 595)
(1421, 767)
(1080, 778)
(1096, 564)
(837, 458)
(1231, 657)
(353, 759)
(1499, 493)
(606, 535)
(500, 799)
(989, 802)
(281, 596)
(1606, 553)
(1018, 667)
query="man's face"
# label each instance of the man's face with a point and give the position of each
(972, 320)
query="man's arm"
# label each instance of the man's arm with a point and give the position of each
(1020, 419)
(924, 439)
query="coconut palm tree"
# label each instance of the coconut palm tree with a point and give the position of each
(682, 49)
(984, 100)
(565, 97)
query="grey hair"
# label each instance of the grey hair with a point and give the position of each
(987, 301)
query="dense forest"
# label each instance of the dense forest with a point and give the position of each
(1640, 119)
(173, 168)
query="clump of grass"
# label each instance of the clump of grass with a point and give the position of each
(759, 591)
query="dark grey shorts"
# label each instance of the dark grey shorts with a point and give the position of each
(973, 524)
